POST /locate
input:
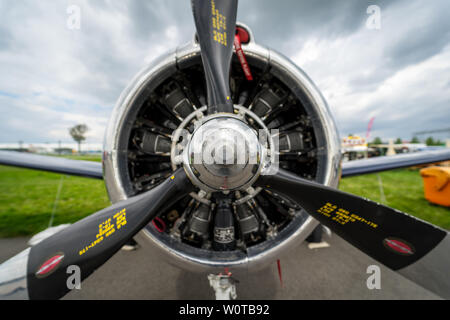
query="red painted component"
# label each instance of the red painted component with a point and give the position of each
(280, 275)
(243, 35)
(50, 265)
(241, 57)
(399, 246)
(159, 224)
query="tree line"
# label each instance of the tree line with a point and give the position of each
(430, 141)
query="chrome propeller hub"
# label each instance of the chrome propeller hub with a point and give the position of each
(223, 153)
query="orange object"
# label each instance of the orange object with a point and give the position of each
(436, 182)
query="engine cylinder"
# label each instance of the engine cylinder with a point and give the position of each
(247, 220)
(201, 218)
(224, 231)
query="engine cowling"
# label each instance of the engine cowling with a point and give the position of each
(166, 95)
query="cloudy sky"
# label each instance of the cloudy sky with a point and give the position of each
(53, 77)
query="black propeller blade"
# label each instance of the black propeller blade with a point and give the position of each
(92, 241)
(215, 21)
(397, 240)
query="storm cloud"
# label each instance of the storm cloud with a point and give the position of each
(53, 77)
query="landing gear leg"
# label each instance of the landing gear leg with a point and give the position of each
(316, 235)
(224, 286)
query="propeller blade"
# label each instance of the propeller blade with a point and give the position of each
(416, 249)
(91, 241)
(215, 21)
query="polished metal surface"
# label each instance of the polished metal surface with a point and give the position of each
(181, 136)
(115, 146)
(116, 171)
(13, 277)
(224, 153)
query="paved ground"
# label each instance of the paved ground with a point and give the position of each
(337, 272)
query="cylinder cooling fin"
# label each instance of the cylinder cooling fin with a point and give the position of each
(208, 229)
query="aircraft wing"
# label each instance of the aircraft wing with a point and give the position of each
(358, 167)
(89, 169)
(92, 169)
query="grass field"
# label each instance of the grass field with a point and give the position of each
(403, 190)
(27, 197)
